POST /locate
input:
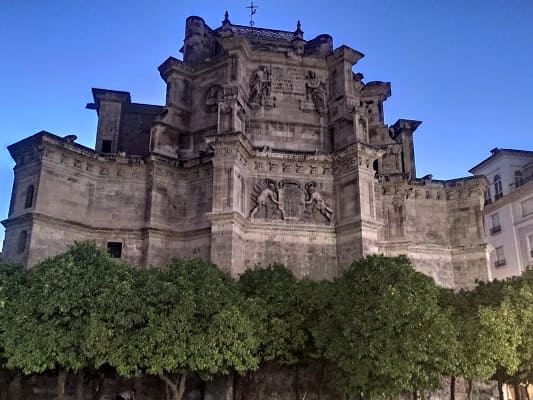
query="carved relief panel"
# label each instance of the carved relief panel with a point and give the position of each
(290, 201)
(260, 85)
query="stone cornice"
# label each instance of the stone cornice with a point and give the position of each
(36, 217)
(377, 88)
(226, 144)
(470, 188)
(347, 54)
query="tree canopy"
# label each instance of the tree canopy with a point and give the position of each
(380, 328)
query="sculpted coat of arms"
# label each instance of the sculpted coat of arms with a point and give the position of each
(290, 201)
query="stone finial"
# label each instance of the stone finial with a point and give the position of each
(298, 32)
(226, 19)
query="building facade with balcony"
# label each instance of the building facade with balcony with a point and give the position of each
(508, 212)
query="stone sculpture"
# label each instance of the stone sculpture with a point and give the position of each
(317, 201)
(259, 86)
(316, 91)
(267, 192)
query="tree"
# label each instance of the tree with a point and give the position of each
(47, 323)
(519, 295)
(11, 280)
(487, 331)
(284, 309)
(385, 331)
(274, 291)
(183, 319)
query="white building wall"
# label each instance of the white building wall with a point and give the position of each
(515, 213)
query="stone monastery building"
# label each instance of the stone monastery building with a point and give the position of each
(270, 148)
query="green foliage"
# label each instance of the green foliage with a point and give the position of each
(11, 280)
(519, 298)
(283, 310)
(182, 319)
(385, 331)
(47, 322)
(383, 327)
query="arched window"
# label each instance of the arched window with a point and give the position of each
(29, 196)
(21, 245)
(518, 178)
(498, 192)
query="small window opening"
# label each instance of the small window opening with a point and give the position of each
(114, 249)
(498, 192)
(106, 146)
(375, 165)
(518, 178)
(29, 196)
(500, 257)
(21, 245)
(487, 196)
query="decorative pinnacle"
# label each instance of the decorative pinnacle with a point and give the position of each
(298, 33)
(226, 18)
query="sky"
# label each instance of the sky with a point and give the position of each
(464, 68)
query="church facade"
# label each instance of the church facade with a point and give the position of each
(270, 148)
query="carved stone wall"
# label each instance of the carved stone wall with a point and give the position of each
(269, 148)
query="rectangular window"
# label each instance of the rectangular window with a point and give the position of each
(106, 146)
(530, 239)
(495, 224)
(527, 207)
(498, 191)
(28, 202)
(114, 249)
(500, 257)
(487, 196)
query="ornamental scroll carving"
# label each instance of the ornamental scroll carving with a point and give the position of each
(290, 201)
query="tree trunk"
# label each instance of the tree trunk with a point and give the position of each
(415, 395)
(296, 382)
(177, 389)
(526, 387)
(452, 388)
(237, 387)
(61, 381)
(230, 383)
(167, 392)
(470, 388)
(79, 385)
(500, 390)
(516, 386)
(321, 378)
(15, 389)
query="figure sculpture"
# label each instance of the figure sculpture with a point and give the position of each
(315, 91)
(316, 199)
(267, 192)
(259, 85)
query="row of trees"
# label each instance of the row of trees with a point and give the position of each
(378, 330)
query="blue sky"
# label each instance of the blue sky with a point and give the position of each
(464, 68)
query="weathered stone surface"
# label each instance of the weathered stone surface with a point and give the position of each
(269, 149)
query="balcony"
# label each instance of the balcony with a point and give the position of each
(495, 229)
(500, 263)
